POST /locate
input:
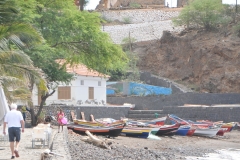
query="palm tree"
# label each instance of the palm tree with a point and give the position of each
(16, 68)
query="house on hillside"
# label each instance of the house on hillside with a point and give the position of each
(87, 89)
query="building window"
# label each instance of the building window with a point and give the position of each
(99, 83)
(64, 92)
(90, 93)
(82, 82)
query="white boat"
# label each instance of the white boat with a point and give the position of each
(206, 131)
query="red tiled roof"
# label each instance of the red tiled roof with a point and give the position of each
(81, 69)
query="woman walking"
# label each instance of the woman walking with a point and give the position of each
(60, 116)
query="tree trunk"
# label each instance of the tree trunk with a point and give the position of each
(82, 5)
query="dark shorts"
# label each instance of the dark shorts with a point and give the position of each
(14, 134)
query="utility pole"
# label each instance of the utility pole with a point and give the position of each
(236, 6)
(130, 41)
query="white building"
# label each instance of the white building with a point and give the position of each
(88, 88)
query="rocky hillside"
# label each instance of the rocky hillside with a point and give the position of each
(204, 61)
(200, 60)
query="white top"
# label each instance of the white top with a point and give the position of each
(13, 118)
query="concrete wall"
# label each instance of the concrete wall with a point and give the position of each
(226, 114)
(115, 112)
(103, 112)
(163, 82)
(158, 102)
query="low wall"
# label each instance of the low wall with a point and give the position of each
(103, 112)
(150, 79)
(158, 102)
(226, 114)
(115, 112)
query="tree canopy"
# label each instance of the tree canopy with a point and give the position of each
(72, 34)
(46, 30)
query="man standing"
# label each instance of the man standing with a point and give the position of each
(14, 120)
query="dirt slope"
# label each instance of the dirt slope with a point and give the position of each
(204, 61)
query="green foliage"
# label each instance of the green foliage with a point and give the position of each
(127, 43)
(133, 71)
(236, 29)
(127, 20)
(16, 68)
(134, 5)
(73, 35)
(202, 13)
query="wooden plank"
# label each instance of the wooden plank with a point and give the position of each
(83, 116)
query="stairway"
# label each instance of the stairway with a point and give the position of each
(145, 114)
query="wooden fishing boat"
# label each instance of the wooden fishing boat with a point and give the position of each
(154, 130)
(136, 132)
(206, 131)
(106, 131)
(168, 130)
(228, 126)
(99, 124)
(191, 131)
(183, 130)
(157, 121)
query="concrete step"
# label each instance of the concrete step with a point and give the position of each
(152, 116)
(145, 111)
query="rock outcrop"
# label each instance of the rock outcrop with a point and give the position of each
(205, 61)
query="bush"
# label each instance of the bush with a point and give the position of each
(106, 20)
(134, 5)
(202, 13)
(236, 29)
(127, 20)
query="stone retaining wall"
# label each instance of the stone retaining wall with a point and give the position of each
(140, 32)
(146, 24)
(139, 16)
(158, 102)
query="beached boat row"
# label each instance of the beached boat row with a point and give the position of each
(113, 128)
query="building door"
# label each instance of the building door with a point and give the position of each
(90, 93)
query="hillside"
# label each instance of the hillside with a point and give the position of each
(204, 61)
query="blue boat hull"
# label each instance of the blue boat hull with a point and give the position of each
(182, 131)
